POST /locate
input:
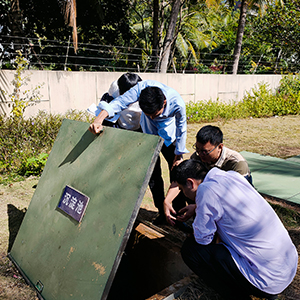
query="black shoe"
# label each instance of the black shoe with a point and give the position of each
(159, 219)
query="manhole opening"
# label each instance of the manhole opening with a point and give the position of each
(151, 263)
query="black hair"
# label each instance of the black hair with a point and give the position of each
(107, 98)
(127, 81)
(151, 99)
(189, 168)
(209, 133)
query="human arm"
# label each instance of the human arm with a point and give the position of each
(234, 161)
(208, 212)
(168, 208)
(181, 130)
(115, 106)
(96, 126)
(240, 167)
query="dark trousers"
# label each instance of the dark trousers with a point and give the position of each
(214, 265)
(156, 182)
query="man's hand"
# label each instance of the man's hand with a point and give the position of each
(177, 160)
(186, 213)
(96, 127)
(169, 213)
(168, 208)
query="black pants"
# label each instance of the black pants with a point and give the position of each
(213, 263)
(156, 182)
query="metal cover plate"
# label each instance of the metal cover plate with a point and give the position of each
(66, 259)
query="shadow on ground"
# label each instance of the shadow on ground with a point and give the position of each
(15, 218)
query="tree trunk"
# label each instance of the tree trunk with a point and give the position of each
(239, 37)
(155, 24)
(164, 59)
(70, 14)
(15, 18)
(155, 34)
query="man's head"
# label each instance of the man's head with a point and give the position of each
(188, 175)
(209, 143)
(127, 81)
(152, 101)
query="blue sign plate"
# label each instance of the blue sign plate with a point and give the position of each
(73, 203)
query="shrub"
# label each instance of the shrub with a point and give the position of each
(21, 98)
(289, 84)
(33, 165)
(259, 102)
(25, 143)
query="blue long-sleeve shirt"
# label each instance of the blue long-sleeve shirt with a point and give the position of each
(170, 125)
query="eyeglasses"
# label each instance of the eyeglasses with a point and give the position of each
(203, 152)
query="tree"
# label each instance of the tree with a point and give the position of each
(280, 30)
(239, 36)
(70, 15)
(155, 25)
(169, 38)
(259, 5)
(196, 29)
(42, 21)
(203, 33)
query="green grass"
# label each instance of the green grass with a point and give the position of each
(289, 217)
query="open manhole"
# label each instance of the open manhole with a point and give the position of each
(151, 263)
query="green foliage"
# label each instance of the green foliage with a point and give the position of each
(275, 37)
(259, 102)
(33, 165)
(289, 84)
(25, 143)
(21, 98)
(210, 110)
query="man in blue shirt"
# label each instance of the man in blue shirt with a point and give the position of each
(163, 114)
(239, 245)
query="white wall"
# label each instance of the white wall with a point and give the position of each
(62, 90)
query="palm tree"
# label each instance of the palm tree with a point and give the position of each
(155, 25)
(193, 28)
(201, 28)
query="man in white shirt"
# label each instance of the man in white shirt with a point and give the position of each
(129, 118)
(239, 246)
